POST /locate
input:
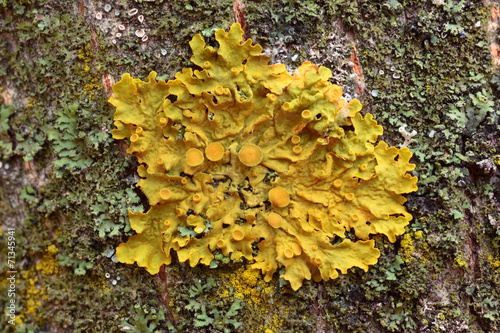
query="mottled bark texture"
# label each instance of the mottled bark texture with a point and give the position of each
(426, 66)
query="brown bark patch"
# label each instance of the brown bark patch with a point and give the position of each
(494, 13)
(492, 27)
(94, 46)
(359, 82)
(108, 82)
(81, 7)
(6, 98)
(239, 15)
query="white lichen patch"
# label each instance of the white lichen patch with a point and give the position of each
(407, 136)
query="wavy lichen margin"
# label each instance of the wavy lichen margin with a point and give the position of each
(242, 158)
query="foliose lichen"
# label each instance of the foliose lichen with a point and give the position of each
(241, 157)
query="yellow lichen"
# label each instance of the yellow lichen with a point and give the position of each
(214, 151)
(460, 261)
(407, 247)
(247, 286)
(494, 263)
(36, 291)
(274, 220)
(48, 264)
(194, 157)
(33, 294)
(279, 197)
(248, 156)
(418, 234)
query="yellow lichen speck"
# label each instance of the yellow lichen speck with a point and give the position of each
(241, 157)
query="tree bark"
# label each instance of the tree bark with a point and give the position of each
(427, 70)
